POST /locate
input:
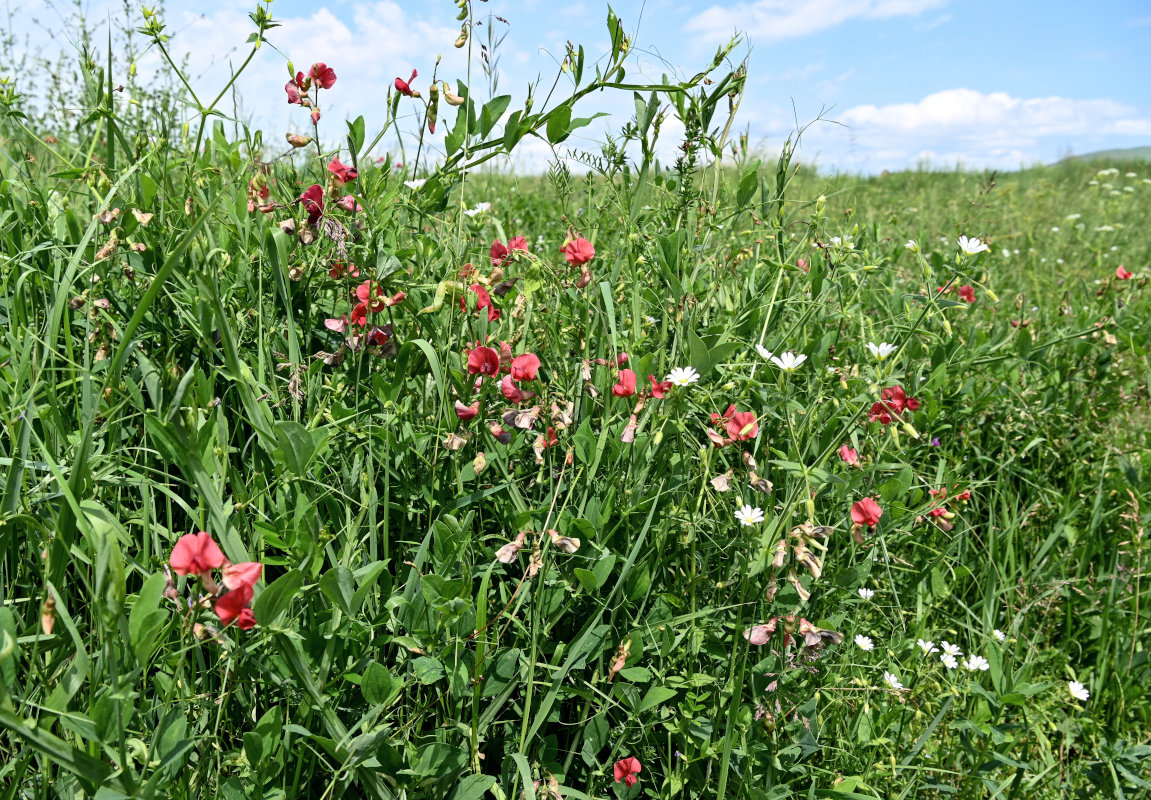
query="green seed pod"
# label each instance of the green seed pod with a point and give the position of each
(433, 107)
(463, 37)
(452, 99)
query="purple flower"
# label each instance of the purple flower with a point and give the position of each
(935, 442)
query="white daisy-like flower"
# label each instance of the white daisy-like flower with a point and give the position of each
(951, 649)
(948, 661)
(1000, 635)
(971, 246)
(748, 515)
(415, 183)
(789, 361)
(481, 208)
(682, 376)
(864, 642)
(881, 350)
(866, 593)
(892, 681)
(1078, 690)
(912, 245)
(651, 320)
(976, 664)
(927, 646)
(764, 353)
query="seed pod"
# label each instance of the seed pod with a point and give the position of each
(452, 99)
(433, 107)
(463, 37)
(296, 140)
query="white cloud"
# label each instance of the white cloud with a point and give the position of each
(775, 20)
(973, 128)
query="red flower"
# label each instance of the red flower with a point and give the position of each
(716, 418)
(525, 367)
(342, 172)
(626, 385)
(196, 554)
(938, 512)
(967, 294)
(313, 200)
(879, 413)
(578, 251)
(231, 607)
(377, 337)
(964, 496)
(1122, 273)
(348, 203)
(483, 300)
(370, 294)
(244, 574)
(849, 455)
(551, 440)
(626, 770)
(466, 413)
(513, 393)
(741, 425)
(866, 512)
(404, 87)
(293, 87)
(893, 401)
(340, 269)
(500, 254)
(322, 74)
(483, 361)
(659, 388)
(360, 314)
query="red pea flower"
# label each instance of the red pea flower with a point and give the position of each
(360, 314)
(231, 607)
(377, 337)
(244, 574)
(525, 367)
(313, 200)
(967, 294)
(196, 554)
(483, 300)
(348, 203)
(292, 88)
(340, 269)
(626, 770)
(626, 385)
(513, 393)
(741, 425)
(849, 455)
(483, 361)
(466, 413)
(578, 251)
(879, 413)
(322, 74)
(659, 388)
(500, 253)
(1122, 273)
(370, 293)
(342, 172)
(404, 87)
(866, 512)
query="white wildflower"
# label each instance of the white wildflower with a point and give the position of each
(976, 664)
(415, 183)
(866, 593)
(748, 515)
(682, 376)
(951, 649)
(927, 646)
(882, 350)
(1078, 690)
(864, 642)
(892, 681)
(789, 361)
(971, 246)
(948, 661)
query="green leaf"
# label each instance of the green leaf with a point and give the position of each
(473, 787)
(356, 135)
(747, 186)
(274, 600)
(337, 584)
(586, 578)
(145, 618)
(655, 696)
(296, 446)
(377, 684)
(558, 120)
(492, 111)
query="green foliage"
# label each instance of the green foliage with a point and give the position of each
(465, 609)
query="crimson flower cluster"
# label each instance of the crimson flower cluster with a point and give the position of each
(299, 88)
(196, 555)
(893, 402)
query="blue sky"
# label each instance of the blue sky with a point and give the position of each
(988, 83)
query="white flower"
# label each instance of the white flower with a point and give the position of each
(948, 661)
(1073, 216)
(1078, 690)
(951, 649)
(415, 183)
(976, 663)
(882, 350)
(651, 320)
(912, 245)
(927, 646)
(748, 515)
(971, 246)
(1000, 635)
(1055, 229)
(866, 593)
(682, 376)
(892, 681)
(789, 361)
(764, 353)
(864, 642)
(481, 208)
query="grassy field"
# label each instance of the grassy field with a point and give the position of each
(727, 479)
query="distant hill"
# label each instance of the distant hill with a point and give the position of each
(1122, 154)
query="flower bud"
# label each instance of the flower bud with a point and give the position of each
(296, 140)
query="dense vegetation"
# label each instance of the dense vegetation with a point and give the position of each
(468, 548)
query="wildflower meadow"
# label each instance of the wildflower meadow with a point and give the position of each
(333, 470)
